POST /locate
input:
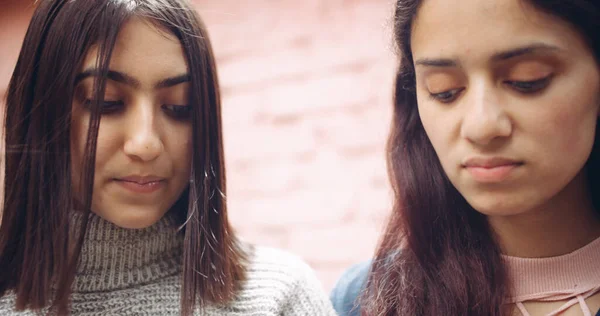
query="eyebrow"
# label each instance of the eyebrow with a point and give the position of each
(436, 62)
(526, 50)
(131, 81)
(500, 56)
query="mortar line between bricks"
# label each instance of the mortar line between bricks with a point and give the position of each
(297, 77)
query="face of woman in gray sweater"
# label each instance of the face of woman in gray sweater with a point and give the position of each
(143, 156)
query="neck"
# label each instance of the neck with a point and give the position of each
(564, 224)
(113, 257)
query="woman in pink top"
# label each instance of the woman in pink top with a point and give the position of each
(495, 161)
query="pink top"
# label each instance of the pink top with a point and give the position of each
(573, 277)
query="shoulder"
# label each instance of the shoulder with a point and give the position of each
(7, 306)
(348, 288)
(286, 280)
(276, 265)
(279, 267)
(276, 259)
(7, 303)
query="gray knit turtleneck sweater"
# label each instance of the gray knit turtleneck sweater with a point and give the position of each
(137, 272)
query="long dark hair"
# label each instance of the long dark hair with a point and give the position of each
(39, 252)
(438, 255)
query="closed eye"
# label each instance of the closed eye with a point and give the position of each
(446, 96)
(530, 86)
(106, 107)
(178, 111)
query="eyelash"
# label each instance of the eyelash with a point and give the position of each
(107, 107)
(446, 96)
(530, 86)
(110, 107)
(524, 87)
(178, 111)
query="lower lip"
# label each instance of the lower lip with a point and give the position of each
(149, 187)
(492, 175)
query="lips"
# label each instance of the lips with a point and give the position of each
(491, 170)
(141, 184)
(141, 179)
(488, 163)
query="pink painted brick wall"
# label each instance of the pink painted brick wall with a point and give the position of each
(14, 18)
(307, 103)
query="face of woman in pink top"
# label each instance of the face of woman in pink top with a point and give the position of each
(509, 97)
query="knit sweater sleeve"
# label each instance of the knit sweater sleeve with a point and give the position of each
(307, 296)
(289, 282)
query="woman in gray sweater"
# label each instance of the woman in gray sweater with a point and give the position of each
(115, 180)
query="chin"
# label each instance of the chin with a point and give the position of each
(491, 205)
(133, 218)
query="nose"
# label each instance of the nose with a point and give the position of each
(485, 119)
(143, 141)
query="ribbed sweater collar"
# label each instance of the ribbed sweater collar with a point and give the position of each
(114, 258)
(555, 278)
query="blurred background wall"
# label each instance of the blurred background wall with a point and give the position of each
(14, 18)
(306, 110)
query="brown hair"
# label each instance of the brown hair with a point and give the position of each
(438, 255)
(39, 251)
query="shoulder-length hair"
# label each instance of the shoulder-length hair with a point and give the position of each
(438, 255)
(39, 252)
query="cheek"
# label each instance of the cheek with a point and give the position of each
(578, 137)
(573, 122)
(79, 126)
(564, 134)
(106, 141)
(573, 109)
(438, 127)
(186, 155)
(110, 138)
(181, 148)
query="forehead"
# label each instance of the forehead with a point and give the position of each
(479, 28)
(144, 51)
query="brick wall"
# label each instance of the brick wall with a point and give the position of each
(14, 17)
(307, 102)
